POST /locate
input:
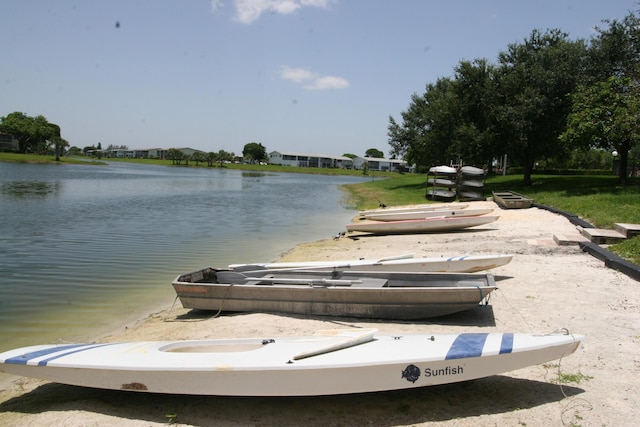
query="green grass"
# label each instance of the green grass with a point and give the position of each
(38, 158)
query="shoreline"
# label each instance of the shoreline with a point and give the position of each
(544, 288)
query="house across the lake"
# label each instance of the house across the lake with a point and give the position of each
(380, 164)
(8, 143)
(145, 153)
(292, 158)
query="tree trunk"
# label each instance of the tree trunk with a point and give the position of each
(528, 169)
(624, 161)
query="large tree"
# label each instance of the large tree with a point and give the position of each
(474, 133)
(374, 152)
(33, 133)
(424, 136)
(606, 115)
(534, 82)
(255, 152)
(612, 89)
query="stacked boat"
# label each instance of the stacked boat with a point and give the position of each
(441, 183)
(422, 219)
(471, 183)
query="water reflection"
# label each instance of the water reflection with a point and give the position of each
(254, 174)
(30, 188)
(84, 242)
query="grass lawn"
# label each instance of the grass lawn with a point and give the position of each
(38, 158)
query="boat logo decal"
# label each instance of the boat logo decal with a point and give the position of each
(411, 373)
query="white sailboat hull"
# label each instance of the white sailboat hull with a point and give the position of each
(452, 264)
(421, 225)
(403, 216)
(336, 363)
(412, 208)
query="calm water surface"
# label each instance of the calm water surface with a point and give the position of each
(84, 246)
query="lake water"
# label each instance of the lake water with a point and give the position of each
(82, 246)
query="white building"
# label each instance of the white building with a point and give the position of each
(9, 142)
(291, 158)
(380, 164)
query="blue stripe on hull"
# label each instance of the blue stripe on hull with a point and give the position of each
(23, 359)
(506, 346)
(57, 356)
(466, 345)
(56, 352)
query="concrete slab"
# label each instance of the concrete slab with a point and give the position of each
(602, 236)
(627, 230)
(569, 239)
(541, 242)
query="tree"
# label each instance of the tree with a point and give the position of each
(424, 136)
(198, 157)
(615, 51)
(254, 152)
(59, 146)
(611, 99)
(32, 133)
(210, 157)
(534, 83)
(176, 156)
(224, 156)
(606, 115)
(374, 152)
(474, 134)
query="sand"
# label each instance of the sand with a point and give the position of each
(546, 287)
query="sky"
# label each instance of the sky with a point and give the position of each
(309, 76)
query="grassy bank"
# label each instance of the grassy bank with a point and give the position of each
(38, 158)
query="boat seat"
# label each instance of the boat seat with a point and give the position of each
(371, 282)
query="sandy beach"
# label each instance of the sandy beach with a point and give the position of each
(546, 287)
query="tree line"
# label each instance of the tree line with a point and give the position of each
(34, 134)
(545, 98)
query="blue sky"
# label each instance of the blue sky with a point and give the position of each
(314, 76)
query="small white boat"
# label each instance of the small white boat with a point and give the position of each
(471, 183)
(407, 263)
(428, 225)
(442, 182)
(412, 208)
(330, 363)
(402, 216)
(443, 170)
(441, 194)
(472, 170)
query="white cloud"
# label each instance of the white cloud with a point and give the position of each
(215, 5)
(296, 75)
(327, 83)
(312, 80)
(248, 11)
